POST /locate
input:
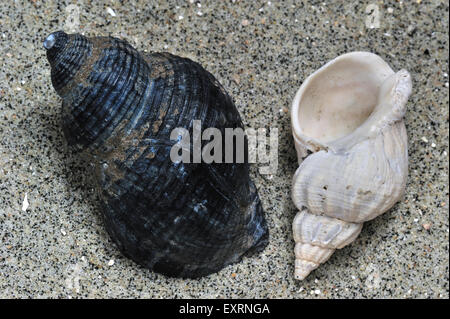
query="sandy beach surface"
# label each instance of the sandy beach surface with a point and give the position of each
(52, 240)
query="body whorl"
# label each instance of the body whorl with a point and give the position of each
(120, 107)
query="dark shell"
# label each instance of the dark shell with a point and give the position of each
(120, 106)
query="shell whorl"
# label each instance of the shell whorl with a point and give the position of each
(317, 237)
(119, 107)
(357, 185)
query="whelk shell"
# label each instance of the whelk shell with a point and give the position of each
(119, 108)
(349, 115)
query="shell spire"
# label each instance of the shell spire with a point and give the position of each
(349, 114)
(120, 108)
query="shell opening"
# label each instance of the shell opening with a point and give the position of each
(336, 103)
(339, 97)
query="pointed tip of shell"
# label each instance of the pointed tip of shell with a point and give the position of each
(308, 257)
(316, 239)
(52, 39)
(49, 41)
(303, 268)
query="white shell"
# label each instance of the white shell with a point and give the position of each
(349, 113)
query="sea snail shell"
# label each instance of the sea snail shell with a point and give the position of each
(119, 108)
(349, 114)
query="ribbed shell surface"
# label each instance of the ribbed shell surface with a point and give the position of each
(120, 107)
(357, 185)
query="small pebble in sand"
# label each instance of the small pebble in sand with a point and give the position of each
(411, 29)
(63, 232)
(245, 22)
(283, 110)
(25, 203)
(426, 226)
(424, 139)
(110, 11)
(236, 78)
(111, 262)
